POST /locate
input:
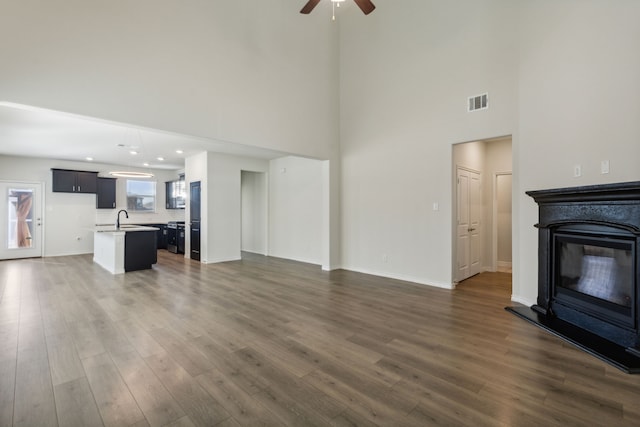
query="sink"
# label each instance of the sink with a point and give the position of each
(110, 228)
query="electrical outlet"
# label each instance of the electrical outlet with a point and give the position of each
(385, 258)
(577, 171)
(604, 166)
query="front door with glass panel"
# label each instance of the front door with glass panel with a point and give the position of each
(20, 220)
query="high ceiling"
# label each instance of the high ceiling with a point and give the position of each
(34, 132)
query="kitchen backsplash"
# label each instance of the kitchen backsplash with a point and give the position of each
(165, 215)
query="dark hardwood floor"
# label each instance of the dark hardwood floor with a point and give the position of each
(265, 341)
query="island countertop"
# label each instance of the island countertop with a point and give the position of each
(124, 228)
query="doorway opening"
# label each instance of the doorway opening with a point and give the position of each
(253, 207)
(482, 239)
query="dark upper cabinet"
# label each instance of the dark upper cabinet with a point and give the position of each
(87, 182)
(175, 194)
(106, 193)
(64, 181)
(70, 181)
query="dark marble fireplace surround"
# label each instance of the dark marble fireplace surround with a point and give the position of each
(588, 275)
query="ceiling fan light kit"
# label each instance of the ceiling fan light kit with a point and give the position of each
(365, 5)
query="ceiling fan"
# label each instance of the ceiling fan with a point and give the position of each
(365, 5)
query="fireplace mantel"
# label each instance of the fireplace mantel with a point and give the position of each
(590, 193)
(574, 224)
(616, 205)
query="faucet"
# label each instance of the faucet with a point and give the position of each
(118, 220)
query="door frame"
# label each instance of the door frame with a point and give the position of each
(488, 167)
(264, 210)
(40, 199)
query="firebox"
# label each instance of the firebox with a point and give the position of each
(588, 278)
(593, 274)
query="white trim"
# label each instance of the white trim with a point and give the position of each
(331, 267)
(297, 259)
(522, 300)
(405, 278)
(254, 252)
(42, 189)
(217, 260)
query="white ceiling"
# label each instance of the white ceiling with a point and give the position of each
(35, 132)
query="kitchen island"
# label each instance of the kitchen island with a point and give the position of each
(125, 248)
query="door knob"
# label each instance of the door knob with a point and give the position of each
(470, 230)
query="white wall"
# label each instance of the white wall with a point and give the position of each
(579, 91)
(471, 155)
(504, 221)
(296, 211)
(69, 219)
(244, 71)
(295, 206)
(223, 210)
(254, 206)
(332, 213)
(562, 79)
(406, 73)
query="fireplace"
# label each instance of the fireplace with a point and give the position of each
(592, 279)
(588, 277)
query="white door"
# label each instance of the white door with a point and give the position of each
(20, 220)
(469, 208)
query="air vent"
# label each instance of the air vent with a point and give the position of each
(478, 102)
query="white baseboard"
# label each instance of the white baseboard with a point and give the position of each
(217, 260)
(331, 267)
(522, 300)
(405, 278)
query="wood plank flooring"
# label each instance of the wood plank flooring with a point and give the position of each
(271, 342)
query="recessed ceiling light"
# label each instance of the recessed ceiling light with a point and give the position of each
(133, 152)
(161, 159)
(179, 151)
(90, 159)
(145, 164)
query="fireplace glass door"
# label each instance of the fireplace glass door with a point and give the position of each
(595, 275)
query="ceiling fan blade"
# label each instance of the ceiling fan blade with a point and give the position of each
(309, 6)
(366, 6)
